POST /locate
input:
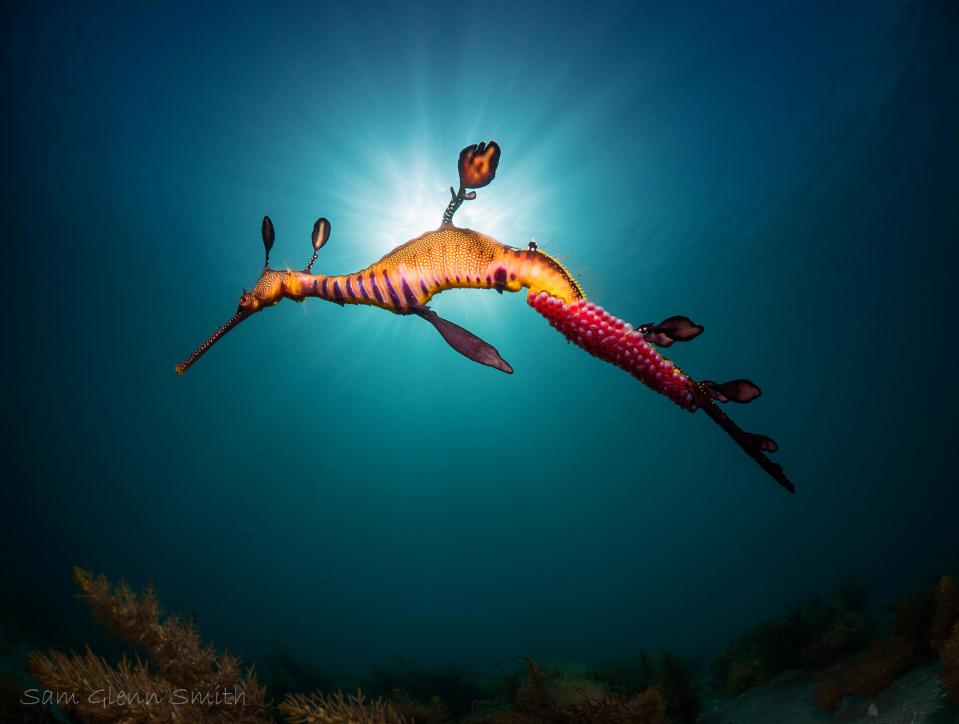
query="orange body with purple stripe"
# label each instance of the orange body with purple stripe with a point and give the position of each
(448, 258)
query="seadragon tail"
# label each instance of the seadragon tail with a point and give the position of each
(634, 350)
(754, 445)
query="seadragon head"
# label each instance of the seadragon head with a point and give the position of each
(268, 290)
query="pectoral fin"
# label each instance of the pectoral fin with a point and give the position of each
(464, 341)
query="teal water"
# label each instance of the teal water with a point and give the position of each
(339, 480)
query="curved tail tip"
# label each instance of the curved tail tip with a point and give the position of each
(777, 473)
(753, 444)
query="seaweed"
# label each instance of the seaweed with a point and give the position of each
(913, 618)
(649, 707)
(949, 674)
(557, 696)
(682, 697)
(917, 628)
(284, 674)
(626, 678)
(339, 708)
(883, 661)
(436, 712)
(647, 671)
(414, 682)
(172, 674)
(896, 653)
(848, 632)
(532, 695)
(811, 635)
(761, 653)
(743, 674)
(645, 708)
(180, 678)
(830, 689)
(946, 612)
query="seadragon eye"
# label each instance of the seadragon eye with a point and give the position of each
(246, 302)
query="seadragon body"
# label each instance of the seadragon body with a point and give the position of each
(448, 258)
(407, 278)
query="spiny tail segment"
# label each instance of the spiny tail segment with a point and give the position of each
(613, 340)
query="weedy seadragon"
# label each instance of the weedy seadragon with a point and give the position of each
(405, 280)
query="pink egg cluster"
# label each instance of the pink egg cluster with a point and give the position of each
(611, 339)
